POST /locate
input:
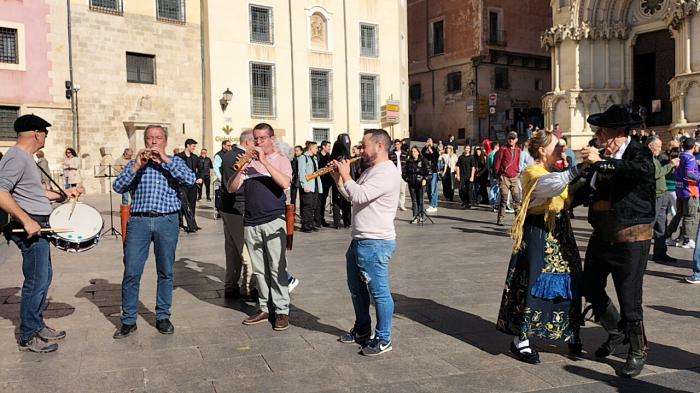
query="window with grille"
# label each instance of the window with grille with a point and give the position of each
(320, 94)
(171, 10)
(501, 78)
(8, 115)
(108, 6)
(262, 90)
(321, 134)
(454, 82)
(438, 47)
(140, 68)
(368, 40)
(8, 46)
(368, 97)
(261, 24)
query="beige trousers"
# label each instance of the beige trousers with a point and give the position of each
(237, 258)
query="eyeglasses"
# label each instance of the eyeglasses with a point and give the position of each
(261, 138)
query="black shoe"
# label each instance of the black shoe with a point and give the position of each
(315, 229)
(198, 227)
(325, 224)
(124, 331)
(165, 327)
(307, 230)
(531, 358)
(575, 349)
(187, 230)
(637, 354)
(664, 258)
(232, 293)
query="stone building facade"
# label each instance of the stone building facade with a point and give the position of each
(313, 71)
(461, 53)
(641, 53)
(33, 68)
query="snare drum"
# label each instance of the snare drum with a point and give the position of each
(86, 223)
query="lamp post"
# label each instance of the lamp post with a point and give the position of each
(225, 99)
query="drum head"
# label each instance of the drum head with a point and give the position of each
(85, 221)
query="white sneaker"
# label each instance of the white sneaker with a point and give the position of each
(431, 209)
(689, 244)
(402, 208)
(671, 242)
(293, 282)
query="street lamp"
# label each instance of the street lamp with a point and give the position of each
(227, 96)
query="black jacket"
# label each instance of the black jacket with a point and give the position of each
(628, 184)
(295, 172)
(204, 166)
(231, 202)
(415, 171)
(404, 157)
(431, 157)
(192, 162)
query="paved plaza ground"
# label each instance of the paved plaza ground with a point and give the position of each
(446, 279)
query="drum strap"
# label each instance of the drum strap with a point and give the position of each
(60, 190)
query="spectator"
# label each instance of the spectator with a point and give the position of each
(71, 168)
(494, 191)
(505, 167)
(308, 164)
(416, 173)
(687, 176)
(449, 165)
(188, 192)
(662, 201)
(432, 154)
(44, 165)
(464, 176)
(204, 167)
(399, 157)
(481, 177)
(298, 151)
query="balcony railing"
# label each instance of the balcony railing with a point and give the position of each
(497, 37)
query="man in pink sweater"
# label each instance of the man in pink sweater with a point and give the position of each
(373, 197)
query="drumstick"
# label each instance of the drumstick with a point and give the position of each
(75, 202)
(54, 230)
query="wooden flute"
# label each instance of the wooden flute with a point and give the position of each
(328, 169)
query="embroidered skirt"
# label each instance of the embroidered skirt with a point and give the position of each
(523, 314)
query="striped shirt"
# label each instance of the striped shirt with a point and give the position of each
(154, 188)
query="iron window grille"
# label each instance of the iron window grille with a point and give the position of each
(140, 68)
(368, 97)
(171, 10)
(262, 90)
(320, 82)
(8, 115)
(454, 82)
(261, 24)
(107, 6)
(8, 46)
(368, 40)
(321, 134)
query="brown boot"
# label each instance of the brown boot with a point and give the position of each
(260, 317)
(281, 322)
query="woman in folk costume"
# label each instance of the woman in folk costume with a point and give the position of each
(541, 296)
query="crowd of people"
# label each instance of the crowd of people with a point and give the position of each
(628, 182)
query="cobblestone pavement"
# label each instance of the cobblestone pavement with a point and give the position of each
(446, 279)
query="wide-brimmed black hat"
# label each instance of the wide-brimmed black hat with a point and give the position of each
(31, 123)
(616, 116)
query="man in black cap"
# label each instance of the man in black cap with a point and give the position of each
(24, 198)
(621, 211)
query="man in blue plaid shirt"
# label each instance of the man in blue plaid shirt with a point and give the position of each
(153, 179)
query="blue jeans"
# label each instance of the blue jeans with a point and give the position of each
(37, 271)
(696, 256)
(368, 275)
(163, 231)
(434, 190)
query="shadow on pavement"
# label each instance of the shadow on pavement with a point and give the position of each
(676, 311)
(483, 232)
(622, 385)
(214, 276)
(672, 276)
(10, 303)
(107, 298)
(470, 328)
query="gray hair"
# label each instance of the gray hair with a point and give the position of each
(380, 136)
(653, 139)
(151, 126)
(246, 136)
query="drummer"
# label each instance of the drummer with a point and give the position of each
(153, 179)
(23, 197)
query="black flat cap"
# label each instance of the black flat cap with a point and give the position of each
(617, 116)
(31, 123)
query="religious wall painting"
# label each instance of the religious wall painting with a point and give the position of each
(319, 31)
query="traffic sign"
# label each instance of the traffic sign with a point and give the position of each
(493, 98)
(492, 110)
